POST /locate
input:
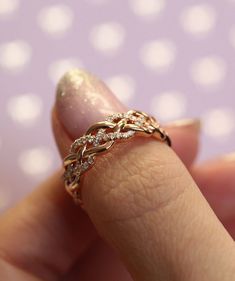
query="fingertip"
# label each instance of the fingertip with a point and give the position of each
(185, 136)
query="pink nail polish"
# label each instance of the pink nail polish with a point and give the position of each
(82, 100)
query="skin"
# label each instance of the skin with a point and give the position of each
(145, 214)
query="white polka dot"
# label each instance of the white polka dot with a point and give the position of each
(58, 68)
(123, 86)
(36, 161)
(169, 105)
(198, 19)
(14, 55)
(158, 55)
(107, 37)
(232, 36)
(8, 7)
(148, 8)
(208, 71)
(56, 19)
(219, 123)
(24, 109)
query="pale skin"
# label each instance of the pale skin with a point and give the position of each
(142, 198)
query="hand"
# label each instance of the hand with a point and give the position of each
(139, 197)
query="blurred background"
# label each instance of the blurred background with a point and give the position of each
(174, 59)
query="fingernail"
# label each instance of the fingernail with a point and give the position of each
(191, 124)
(229, 157)
(81, 100)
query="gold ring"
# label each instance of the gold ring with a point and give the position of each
(101, 137)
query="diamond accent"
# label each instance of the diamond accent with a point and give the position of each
(91, 160)
(96, 142)
(85, 166)
(90, 139)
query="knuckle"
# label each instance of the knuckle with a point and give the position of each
(132, 184)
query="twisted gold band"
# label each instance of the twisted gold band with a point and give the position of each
(101, 137)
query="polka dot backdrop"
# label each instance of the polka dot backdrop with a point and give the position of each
(175, 59)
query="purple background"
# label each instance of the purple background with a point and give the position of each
(197, 31)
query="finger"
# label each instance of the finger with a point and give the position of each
(143, 201)
(185, 136)
(45, 234)
(104, 263)
(216, 179)
(184, 133)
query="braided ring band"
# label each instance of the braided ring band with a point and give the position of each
(101, 137)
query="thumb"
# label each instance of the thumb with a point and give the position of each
(141, 197)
